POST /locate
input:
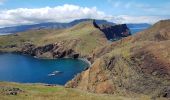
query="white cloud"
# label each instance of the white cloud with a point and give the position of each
(63, 13)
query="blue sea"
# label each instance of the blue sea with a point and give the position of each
(26, 69)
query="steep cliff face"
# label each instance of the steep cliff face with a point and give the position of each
(49, 51)
(132, 65)
(114, 32)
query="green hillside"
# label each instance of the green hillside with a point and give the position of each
(83, 38)
(42, 92)
(134, 65)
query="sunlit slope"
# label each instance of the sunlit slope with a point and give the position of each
(83, 38)
(137, 64)
(42, 92)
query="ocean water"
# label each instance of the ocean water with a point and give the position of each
(26, 69)
(136, 30)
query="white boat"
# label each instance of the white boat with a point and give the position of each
(51, 74)
(54, 73)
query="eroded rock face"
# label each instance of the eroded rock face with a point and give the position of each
(115, 32)
(95, 79)
(49, 51)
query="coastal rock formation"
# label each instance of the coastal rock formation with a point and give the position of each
(49, 51)
(133, 65)
(114, 32)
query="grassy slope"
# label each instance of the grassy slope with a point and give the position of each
(83, 38)
(133, 65)
(41, 92)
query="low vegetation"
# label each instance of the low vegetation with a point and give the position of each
(15, 91)
(82, 38)
(132, 66)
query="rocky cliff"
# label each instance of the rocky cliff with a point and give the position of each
(113, 32)
(135, 65)
(49, 51)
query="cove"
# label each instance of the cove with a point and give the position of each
(26, 69)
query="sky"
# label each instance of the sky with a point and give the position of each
(19, 12)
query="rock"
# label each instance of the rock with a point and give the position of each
(50, 85)
(49, 51)
(12, 93)
(75, 55)
(115, 32)
(165, 93)
(48, 47)
(10, 90)
(10, 46)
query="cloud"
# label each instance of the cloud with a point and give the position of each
(64, 13)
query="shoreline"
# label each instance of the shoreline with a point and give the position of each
(83, 59)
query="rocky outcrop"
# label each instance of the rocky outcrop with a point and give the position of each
(10, 90)
(114, 32)
(49, 51)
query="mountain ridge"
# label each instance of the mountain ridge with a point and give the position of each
(48, 25)
(59, 25)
